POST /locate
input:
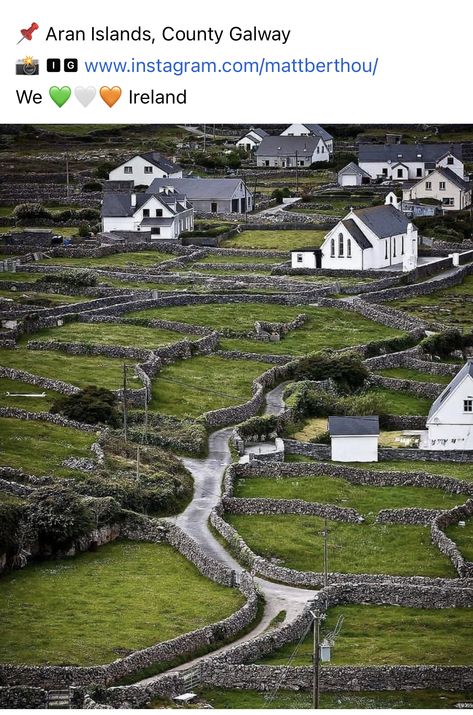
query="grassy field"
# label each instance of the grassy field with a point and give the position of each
(451, 306)
(29, 297)
(463, 537)
(405, 373)
(80, 370)
(325, 328)
(276, 240)
(332, 205)
(138, 258)
(448, 469)
(32, 404)
(110, 334)
(40, 447)
(402, 403)
(19, 276)
(100, 606)
(191, 387)
(302, 700)
(389, 635)
(297, 542)
(251, 260)
(367, 500)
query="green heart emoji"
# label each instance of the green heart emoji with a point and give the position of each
(60, 95)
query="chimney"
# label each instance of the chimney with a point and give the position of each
(133, 199)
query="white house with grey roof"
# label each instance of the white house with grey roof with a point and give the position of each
(445, 186)
(309, 130)
(161, 215)
(289, 152)
(143, 168)
(450, 420)
(406, 162)
(370, 239)
(354, 439)
(215, 196)
(251, 140)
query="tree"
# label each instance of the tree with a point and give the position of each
(58, 516)
(29, 212)
(92, 405)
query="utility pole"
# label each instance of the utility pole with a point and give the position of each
(146, 417)
(125, 402)
(316, 660)
(67, 174)
(325, 554)
(138, 463)
(297, 174)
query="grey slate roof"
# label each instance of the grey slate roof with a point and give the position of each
(154, 157)
(407, 152)
(357, 234)
(198, 189)
(383, 220)
(157, 221)
(353, 168)
(259, 132)
(287, 146)
(355, 426)
(318, 131)
(466, 370)
(454, 178)
(118, 203)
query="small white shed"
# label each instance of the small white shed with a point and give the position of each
(306, 258)
(354, 439)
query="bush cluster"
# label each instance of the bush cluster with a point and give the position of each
(443, 344)
(345, 369)
(309, 400)
(92, 405)
(76, 279)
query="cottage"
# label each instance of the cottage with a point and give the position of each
(161, 215)
(143, 168)
(443, 185)
(371, 238)
(217, 196)
(309, 130)
(405, 162)
(450, 420)
(353, 175)
(291, 152)
(354, 439)
(306, 258)
(251, 140)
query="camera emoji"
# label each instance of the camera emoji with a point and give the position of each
(27, 66)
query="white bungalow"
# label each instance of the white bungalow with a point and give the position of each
(450, 420)
(286, 152)
(354, 439)
(309, 130)
(445, 186)
(143, 168)
(251, 140)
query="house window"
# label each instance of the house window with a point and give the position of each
(428, 186)
(128, 170)
(213, 207)
(340, 245)
(448, 202)
(450, 160)
(418, 172)
(386, 250)
(145, 213)
(155, 231)
(159, 213)
(348, 247)
(266, 162)
(399, 173)
(148, 169)
(299, 258)
(332, 248)
(402, 245)
(385, 172)
(442, 185)
(394, 247)
(468, 405)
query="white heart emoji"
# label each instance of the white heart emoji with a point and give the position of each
(85, 95)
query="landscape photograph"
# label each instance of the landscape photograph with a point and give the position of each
(236, 416)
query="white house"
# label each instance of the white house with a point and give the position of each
(309, 130)
(161, 215)
(143, 168)
(450, 420)
(405, 162)
(371, 238)
(354, 439)
(444, 185)
(251, 140)
(353, 175)
(290, 152)
(211, 195)
(306, 258)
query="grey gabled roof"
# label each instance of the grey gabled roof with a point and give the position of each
(154, 157)
(259, 132)
(319, 131)
(466, 370)
(407, 152)
(157, 221)
(383, 220)
(356, 426)
(287, 146)
(197, 189)
(118, 203)
(357, 234)
(353, 168)
(454, 178)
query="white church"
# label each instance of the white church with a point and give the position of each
(450, 420)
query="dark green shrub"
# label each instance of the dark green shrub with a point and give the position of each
(92, 186)
(58, 516)
(346, 369)
(443, 344)
(30, 212)
(92, 405)
(258, 425)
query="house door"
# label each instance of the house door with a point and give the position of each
(318, 258)
(213, 207)
(235, 206)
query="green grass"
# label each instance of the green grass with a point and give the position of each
(451, 306)
(389, 635)
(402, 403)
(325, 327)
(79, 370)
(138, 258)
(52, 298)
(288, 699)
(276, 240)
(110, 334)
(463, 537)
(405, 373)
(251, 260)
(18, 276)
(203, 383)
(56, 230)
(40, 447)
(100, 606)
(448, 469)
(367, 500)
(353, 548)
(32, 404)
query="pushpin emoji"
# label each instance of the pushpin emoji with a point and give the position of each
(28, 32)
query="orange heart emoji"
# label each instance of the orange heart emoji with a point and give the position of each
(110, 95)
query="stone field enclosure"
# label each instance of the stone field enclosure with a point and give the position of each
(133, 538)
